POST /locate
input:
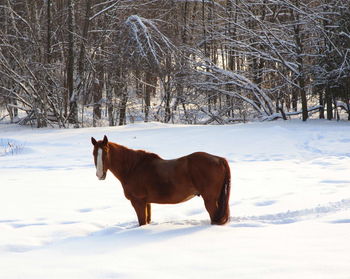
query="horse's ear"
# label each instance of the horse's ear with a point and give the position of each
(93, 141)
(105, 140)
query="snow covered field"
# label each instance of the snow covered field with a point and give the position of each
(290, 205)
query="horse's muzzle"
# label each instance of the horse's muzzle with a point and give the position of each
(103, 177)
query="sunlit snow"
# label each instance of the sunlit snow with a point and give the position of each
(290, 205)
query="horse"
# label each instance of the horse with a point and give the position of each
(146, 178)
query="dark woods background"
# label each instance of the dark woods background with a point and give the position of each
(92, 62)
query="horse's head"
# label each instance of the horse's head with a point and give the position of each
(101, 157)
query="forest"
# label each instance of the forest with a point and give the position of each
(79, 63)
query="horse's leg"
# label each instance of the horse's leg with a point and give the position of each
(148, 211)
(211, 206)
(140, 207)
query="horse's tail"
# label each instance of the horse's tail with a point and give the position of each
(222, 215)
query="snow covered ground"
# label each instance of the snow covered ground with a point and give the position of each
(290, 205)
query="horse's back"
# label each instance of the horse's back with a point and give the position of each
(205, 161)
(185, 167)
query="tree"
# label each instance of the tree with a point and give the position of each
(173, 61)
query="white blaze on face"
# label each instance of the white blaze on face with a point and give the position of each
(99, 164)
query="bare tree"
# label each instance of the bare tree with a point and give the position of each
(173, 61)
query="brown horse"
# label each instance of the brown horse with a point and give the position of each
(146, 178)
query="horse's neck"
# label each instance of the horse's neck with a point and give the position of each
(121, 161)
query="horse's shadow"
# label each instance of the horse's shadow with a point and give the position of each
(125, 236)
(116, 237)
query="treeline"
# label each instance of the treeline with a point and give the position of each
(92, 62)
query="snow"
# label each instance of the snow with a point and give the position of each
(290, 205)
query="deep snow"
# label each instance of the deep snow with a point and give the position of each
(290, 205)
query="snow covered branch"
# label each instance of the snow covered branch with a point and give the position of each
(146, 40)
(291, 113)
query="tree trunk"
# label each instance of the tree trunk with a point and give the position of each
(329, 103)
(300, 62)
(151, 83)
(121, 90)
(110, 100)
(48, 44)
(122, 109)
(167, 98)
(97, 91)
(303, 99)
(84, 38)
(321, 103)
(73, 106)
(97, 86)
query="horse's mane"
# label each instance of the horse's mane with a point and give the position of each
(136, 153)
(147, 155)
(130, 157)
